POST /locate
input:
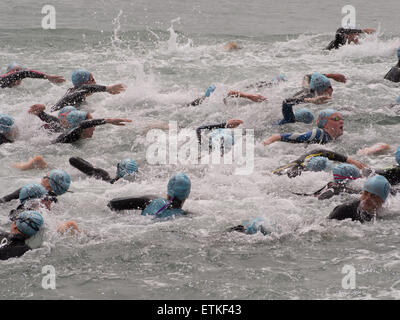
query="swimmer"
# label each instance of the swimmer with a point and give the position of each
(84, 86)
(231, 46)
(375, 192)
(251, 227)
(15, 73)
(330, 127)
(347, 35)
(177, 192)
(126, 168)
(8, 129)
(394, 73)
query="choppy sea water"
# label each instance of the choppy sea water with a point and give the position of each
(167, 54)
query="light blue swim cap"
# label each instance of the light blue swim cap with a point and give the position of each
(62, 114)
(6, 123)
(80, 76)
(158, 207)
(210, 90)
(31, 191)
(323, 117)
(304, 115)
(280, 77)
(319, 164)
(29, 222)
(398, 99)
(179, 186)
(379, 186)
(75, 117)
(59, 181)
(398, 155)
(126, 167)
(319, 83)
(345, 171)
(224, 136)
(253, 226)
(13, 65)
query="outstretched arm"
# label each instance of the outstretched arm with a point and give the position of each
(252, 97)
(36, 162)
(336, 76)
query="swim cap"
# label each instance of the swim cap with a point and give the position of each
(158, 207)
(319, 164)
(210, 90)
(323, 117)
(75, 117)
(319, 83)
(398, 99)
(62, 114)
(6, 122)
(80, 76)
(225, 138)
(126, 167)
(179, 186)
(32, 191)
(398, 155)
(59, 181)
(29, 222)
(345, 171)
(304, 115)
(280, 77)
(12, 66)
(253, 226)
(378, 185)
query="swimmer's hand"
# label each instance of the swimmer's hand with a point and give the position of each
(115, 89)
(233, 123)
(36, 163)
(369, 30)
(252, 97)
(356, 163)
(337, 77)
(318, 100)
(36, 109)
(55, 79)
(69, 226)
(375, 149)
(117, 122)
(271, 139)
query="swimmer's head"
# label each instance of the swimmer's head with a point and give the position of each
(320, 84)
(210, 90)
(59, 181)
(75, 117)
(14, 66)
(179, 186)
(62, 115)
(397, 155)
(319, 164)
(379, 186)
(345, 171)
(29, 223)
(80, 77)
(126, 167)
(8, 127)
(280, 78)
(331, 121)
(222, 138)
(31, 191)
(304, 115)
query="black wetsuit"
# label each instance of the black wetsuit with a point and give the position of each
(3, 139)
(287, 105)
(130, 203)
(76, 96)
(391, 174)
(74, 134)
(334, 189)
(350, 210)
(341, 38)
(88, 169)
(13, 246)
(52, 123)
(8, 79)
(11, 196)
(394, 73)
(196, 102)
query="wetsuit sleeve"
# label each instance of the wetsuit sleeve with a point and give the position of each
(334, 156)
(77, 96)
(196, 102)
(88, 169)
(129, 203)
(13, 250)
(350, 211)
(314, 136)
(75, 134)
(209, 127)
(54, 122)
(3, 139)
(9, 79)
(392, 174)
(287, 110)
(393, 74)
(11, 196)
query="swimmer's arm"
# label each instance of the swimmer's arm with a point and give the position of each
(128, 203)
(69, 226)
(92, 88)
(196, 102)
(252, 97)
(310, 136)
(391, 174)
(70, 98)
(13, 251)
(48, 118)
(209, 127)
(336, 76)
(3, 139)
(376, 148)
(11, 196)
(36, 162)
(287, 110)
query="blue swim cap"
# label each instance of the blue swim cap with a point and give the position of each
(323, 117)
(126, 167)
(280, 77)
(13, 65)
(319, 164)
(62, 114)
(319, 83)
(345, 171)
(210, 90)
(29, 222)
(80, 76)
(398, 99)
(379, 186)
(6, 122)
(179, 186)
(59, 181)
(304, 115)
(75, 117)
(32, 191)
(224, 136)
(398, 155)
(253, 226)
